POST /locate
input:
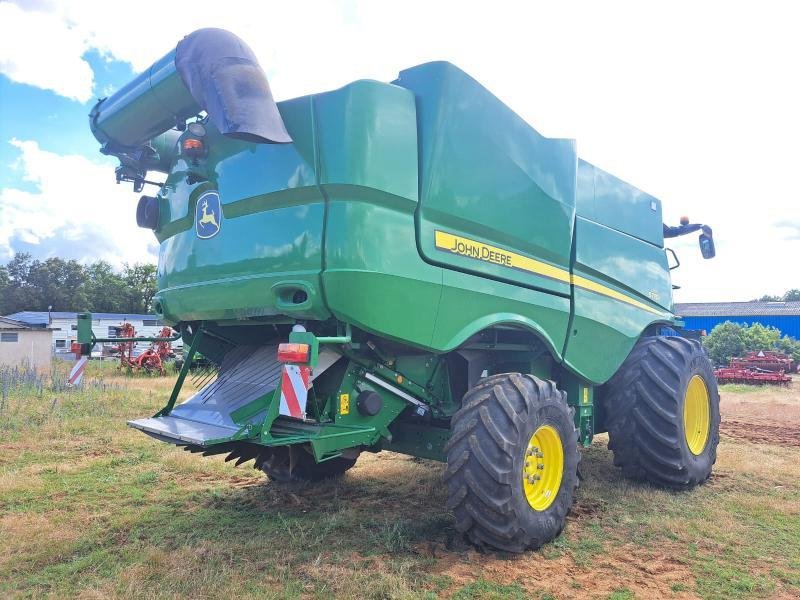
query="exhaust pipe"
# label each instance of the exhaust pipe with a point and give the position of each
(211, 70)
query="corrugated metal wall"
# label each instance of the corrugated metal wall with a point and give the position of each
(789, 325)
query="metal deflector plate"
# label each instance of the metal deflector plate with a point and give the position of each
(246, 373)
(182, 430)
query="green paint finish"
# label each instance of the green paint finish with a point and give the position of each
(616, 204)
(147, 106)
(336, 216)
(339, 227)
(470, 304)
(367, 137)
(85, 335)
(628, 266)
(353, 385)
(374, 277)
(488, 175)
(580, 396)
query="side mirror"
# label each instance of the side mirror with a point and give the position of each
(707, 245)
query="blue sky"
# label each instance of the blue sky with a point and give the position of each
(693, 102)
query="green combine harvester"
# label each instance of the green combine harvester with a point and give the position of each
(407, 266)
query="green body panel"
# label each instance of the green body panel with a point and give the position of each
(470, 304)
(629, 266)
(489, 176)
(618, 244)
(429, 218)
(347, 214)
(608, 200)
(270, 237)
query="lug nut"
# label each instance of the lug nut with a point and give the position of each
(540, 466)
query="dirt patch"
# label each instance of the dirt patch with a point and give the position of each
(646, 574)
(787, 434)
(585, 508)
(768, 416)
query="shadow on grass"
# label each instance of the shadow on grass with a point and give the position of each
(360, 513)
(387, 507)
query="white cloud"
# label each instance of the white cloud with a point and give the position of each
(77, 204)
(692, 102)
(38, 48)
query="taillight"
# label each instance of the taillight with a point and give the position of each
(294, 353)
(193, 148)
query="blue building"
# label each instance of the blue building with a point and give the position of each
(707, 315)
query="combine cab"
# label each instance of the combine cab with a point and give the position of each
(407, 266)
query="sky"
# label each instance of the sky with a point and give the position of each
(697, 103)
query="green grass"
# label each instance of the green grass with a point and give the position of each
(490, 591)
(91, 507)
(740, 388)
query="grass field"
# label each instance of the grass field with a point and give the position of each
(90, 508)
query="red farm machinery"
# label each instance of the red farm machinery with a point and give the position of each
(765, 367)
(152, 359)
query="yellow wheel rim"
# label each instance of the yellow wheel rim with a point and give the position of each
(543, 467)
(696, 415)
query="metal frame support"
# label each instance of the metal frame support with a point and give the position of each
(187, 363)
(87, 336)
(580, 396)
(339, 339)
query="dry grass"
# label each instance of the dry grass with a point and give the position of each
(91, 509)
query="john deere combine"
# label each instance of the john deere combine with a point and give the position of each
(407, 266)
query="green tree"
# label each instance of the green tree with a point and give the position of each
(19, 294)
(759, 337)
(106, 289)
(66, 285)
(141, 282)
(5, 283)
(724, 342)
(58, 283)
(790, 296)
(728, 340)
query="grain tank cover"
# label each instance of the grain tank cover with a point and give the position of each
(224, 78)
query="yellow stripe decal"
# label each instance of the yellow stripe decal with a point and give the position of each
(492, 254)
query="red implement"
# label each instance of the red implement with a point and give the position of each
(751, 376)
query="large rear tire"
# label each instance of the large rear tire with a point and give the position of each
(662, 413)
(512, 463)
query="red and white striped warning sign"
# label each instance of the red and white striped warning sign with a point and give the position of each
(76, 374)
(295, 383)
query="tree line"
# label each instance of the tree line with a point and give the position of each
(791, 295)
(729, 339)
(67, 285)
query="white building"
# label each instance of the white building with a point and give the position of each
(21, 343)
(64, 326)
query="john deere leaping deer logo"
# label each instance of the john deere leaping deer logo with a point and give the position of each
(207, 215)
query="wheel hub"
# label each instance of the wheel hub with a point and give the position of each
(696, 415)
(543, 467)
